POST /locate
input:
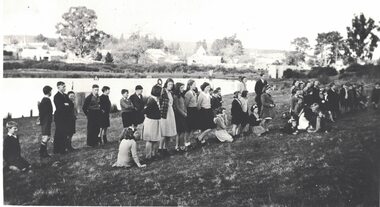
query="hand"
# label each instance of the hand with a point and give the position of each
(14, 168)
(143, 165)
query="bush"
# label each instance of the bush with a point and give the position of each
(108, 58)
(370, 71)
(289, 73)
(318, 71)
(98, 56)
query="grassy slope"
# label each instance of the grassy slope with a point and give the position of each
(251, 171)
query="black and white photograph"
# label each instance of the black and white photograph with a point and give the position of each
(190, 103)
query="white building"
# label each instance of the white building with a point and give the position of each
(200, 57)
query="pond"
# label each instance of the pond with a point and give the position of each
(21, 95)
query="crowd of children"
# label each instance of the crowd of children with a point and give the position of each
(314, 107)
(181, 112)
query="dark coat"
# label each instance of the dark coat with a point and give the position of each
(259, 86)
(12, 153)
(267, 110)
(62, 107)
(45, 109)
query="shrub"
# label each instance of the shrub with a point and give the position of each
(318, 71)
(108, 58)
(98, 56)
(289, 73)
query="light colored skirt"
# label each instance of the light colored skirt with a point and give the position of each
(168, 125)
(151, 130)
(223, 135)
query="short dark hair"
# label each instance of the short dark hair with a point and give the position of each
(124, 91)
(204, 85)
(138, 87)
(70, 92)
(105, 88)
(244, 94)
(95, 86)
(60, 83)
(156, 90)
(46, 90)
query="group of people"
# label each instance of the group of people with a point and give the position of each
(184, 113)
(313, 107)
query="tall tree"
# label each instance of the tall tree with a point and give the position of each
(301, 44)
(228, 47)
(329, 46)
(78, 31)
(361, 39)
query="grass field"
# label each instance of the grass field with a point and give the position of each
(340, 168)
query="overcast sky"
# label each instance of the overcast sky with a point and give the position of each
(260, 24)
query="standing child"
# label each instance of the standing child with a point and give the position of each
(127, 109)
(151, 129)
(267, 113)
(167, 122)
(105, 107)
(180, 116)
(71, 121)
(45, 109)
(191, 108)
(128, 150)
(12, 150)
(236, 114)
(245, 114)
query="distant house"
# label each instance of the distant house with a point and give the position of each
(40, 51)
(200, 57)
(11, 52)
(159, 56)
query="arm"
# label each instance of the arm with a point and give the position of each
(126, 104)
(134, 155)
(200, 101)
(86, 105)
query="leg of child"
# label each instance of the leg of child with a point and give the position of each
(148, 150)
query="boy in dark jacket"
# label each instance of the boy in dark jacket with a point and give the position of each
(45, 109)
(12, 150)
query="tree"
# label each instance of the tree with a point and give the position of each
(14, 41)
(199, 44)
(40, 38)
(228, 47)
(301, 44)
(78, 31)
(329, 46)
(98, 56)
(173, 48)
(52, 42)
(361, 39)
(108, 58)
(294, 58)
(136, 45)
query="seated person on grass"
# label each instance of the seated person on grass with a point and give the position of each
(127, 156)
(12, 150)
(220, 132)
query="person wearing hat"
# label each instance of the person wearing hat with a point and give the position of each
(91, 108)
(259, 90)
(138, 103)
(151, 126)
(45, 109)
(267, 112)
(61, 117)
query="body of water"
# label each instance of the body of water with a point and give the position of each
(21, 95)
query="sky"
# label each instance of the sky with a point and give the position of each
(269, 24)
